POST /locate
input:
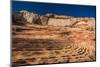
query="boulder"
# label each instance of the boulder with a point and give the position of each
(18, 19)
(25, 17)
(30, 17)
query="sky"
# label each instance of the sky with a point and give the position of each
(55, 8)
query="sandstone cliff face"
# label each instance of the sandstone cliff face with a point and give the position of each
(30, 17)
(85, 23)
(59, 22)
(51, 38)
(44, 20)
(25, 17)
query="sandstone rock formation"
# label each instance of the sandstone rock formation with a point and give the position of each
(58, 16)
(49, 44)
(50, 38)
(43, 20)
(25, 17)
(85, 23)
(59, 22)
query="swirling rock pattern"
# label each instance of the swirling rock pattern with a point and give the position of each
(43, 44)
(37, 45)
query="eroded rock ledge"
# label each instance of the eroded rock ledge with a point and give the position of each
(26, 17)
(50, 38)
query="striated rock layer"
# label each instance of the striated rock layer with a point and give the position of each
(46, 39)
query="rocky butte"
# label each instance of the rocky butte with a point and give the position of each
(51, 38)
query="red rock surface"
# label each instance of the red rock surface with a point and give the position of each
(39, 44)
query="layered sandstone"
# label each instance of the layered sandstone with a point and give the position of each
(53, 39)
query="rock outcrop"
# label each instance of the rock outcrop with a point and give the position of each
(50, 38)
(25, 17)
(85, 23)
(59, 22)
(44, 20)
